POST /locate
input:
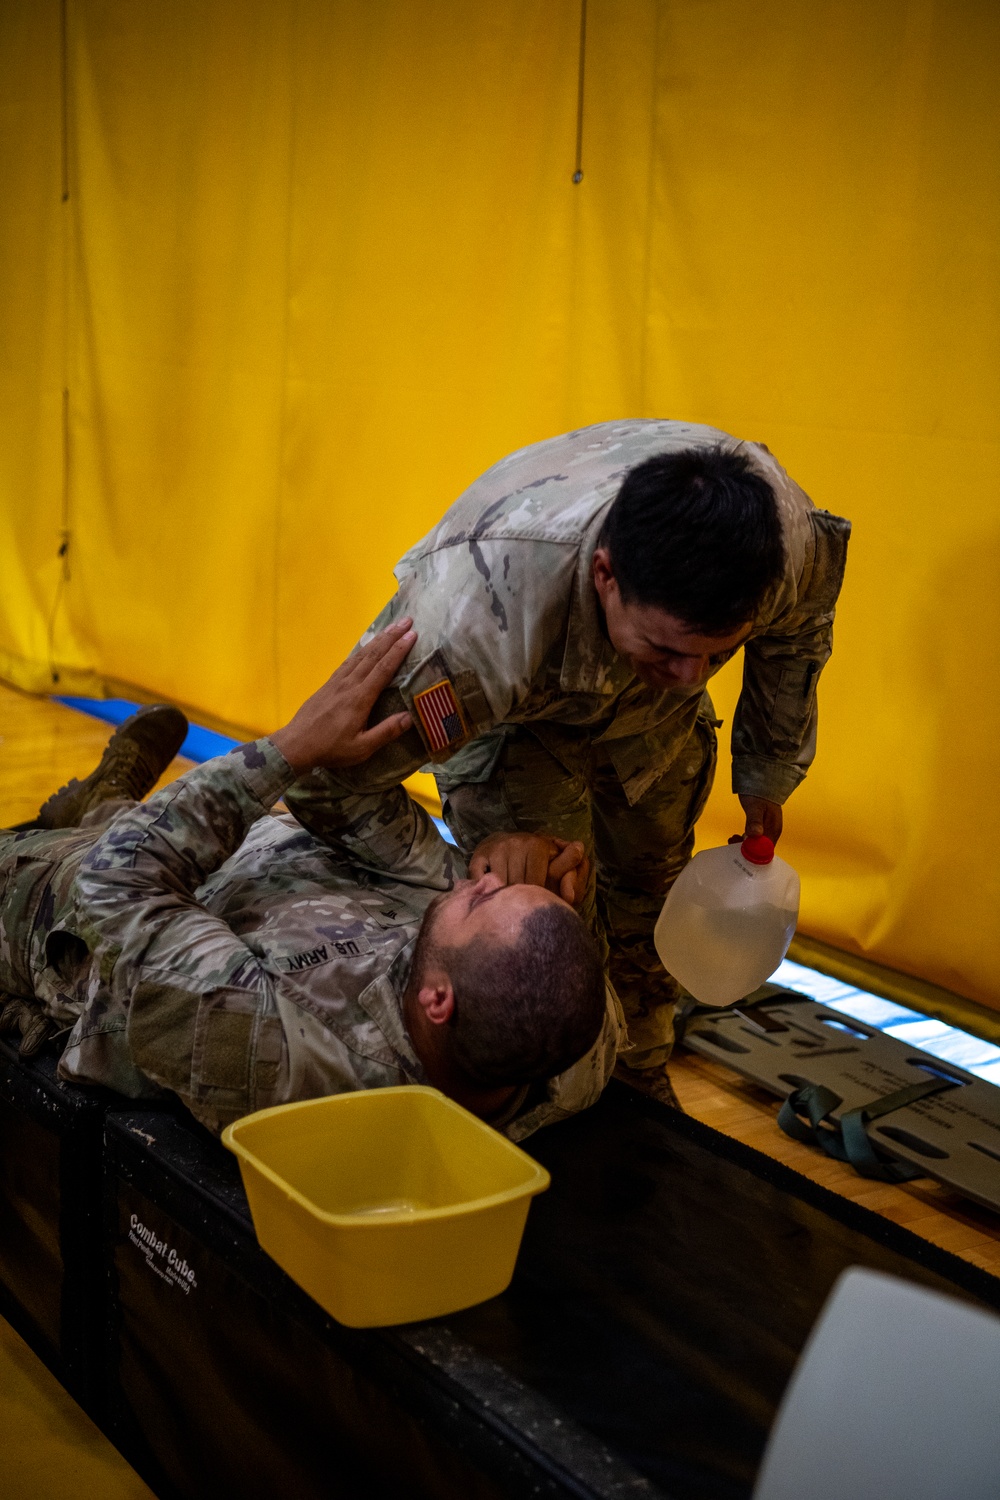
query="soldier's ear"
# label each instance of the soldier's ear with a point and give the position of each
(603, 573)
(436, 999)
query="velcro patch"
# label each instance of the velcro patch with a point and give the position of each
(225, 1062)
(441, 717)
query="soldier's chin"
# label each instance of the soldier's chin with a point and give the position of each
(651, 677)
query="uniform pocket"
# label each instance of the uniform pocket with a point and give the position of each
(831, 535)
(794, 706)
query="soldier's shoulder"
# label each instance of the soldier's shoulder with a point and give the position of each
(550, 492)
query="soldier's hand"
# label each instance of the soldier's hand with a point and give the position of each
(763, 817)
(569, 871)
(534, 859)
(330, 729)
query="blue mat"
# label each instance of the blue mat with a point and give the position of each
(200, 745)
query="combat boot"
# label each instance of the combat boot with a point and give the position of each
(652, 1081)
(138, 753)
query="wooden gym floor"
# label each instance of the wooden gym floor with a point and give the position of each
(42, 745)
(51, 1449)
(714, 1095)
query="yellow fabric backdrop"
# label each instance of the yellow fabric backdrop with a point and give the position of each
(320, 263)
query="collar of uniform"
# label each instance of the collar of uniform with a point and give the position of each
(383, 1001)
(590, 663)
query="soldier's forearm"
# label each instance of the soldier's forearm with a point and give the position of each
(389, 833)
(165, 848)
(774, 727)
(324, 801)
(772, 777)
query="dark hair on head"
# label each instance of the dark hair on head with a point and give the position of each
(528, 1010)
(696, 533)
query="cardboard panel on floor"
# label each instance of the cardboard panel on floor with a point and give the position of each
(51, 1277)
(953, 1136)
(665, 1287)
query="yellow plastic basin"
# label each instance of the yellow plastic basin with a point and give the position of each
(386, 1206)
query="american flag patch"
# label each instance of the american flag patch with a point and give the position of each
(440, 716)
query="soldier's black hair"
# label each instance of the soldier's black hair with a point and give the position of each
(526, 1011)
(696, 533)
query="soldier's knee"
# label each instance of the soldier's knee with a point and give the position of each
(472, 813)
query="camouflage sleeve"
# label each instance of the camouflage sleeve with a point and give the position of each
(774, 729)
(386, 832)
(486, 614)
(331, 804)
(202, 1017)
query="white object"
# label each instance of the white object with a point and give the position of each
(896, 1397)
(728, 920)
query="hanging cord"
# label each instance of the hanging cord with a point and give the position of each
(578, 173)
(64, 529)
(63, 552)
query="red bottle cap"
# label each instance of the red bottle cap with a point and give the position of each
(758, 850)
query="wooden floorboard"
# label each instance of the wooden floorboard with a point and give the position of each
(43, 744)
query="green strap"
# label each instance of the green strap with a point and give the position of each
(847, 1139)
(817, 1104)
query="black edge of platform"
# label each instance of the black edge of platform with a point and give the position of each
(491, 1417)
(507, 1429)
(521, 1439)
(974, 1280)
(27, 1329)
(75, 1117)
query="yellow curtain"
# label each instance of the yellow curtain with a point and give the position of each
(32, 329)
(303, 270)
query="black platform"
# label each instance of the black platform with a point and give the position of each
(665, 1287)
(52, 1282)
(664, 1290)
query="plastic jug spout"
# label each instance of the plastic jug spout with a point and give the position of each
(758, 849)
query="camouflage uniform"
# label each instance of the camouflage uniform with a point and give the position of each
(530, 718)
(195, 943)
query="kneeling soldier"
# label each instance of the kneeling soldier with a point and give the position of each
(571, 607)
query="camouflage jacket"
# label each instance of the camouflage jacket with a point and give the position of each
(234, 959)
(509, 626)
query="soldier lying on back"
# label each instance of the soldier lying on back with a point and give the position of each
(198, 944)
(571, 607)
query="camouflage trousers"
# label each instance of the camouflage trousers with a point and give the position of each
(568, 787)
(39, 957)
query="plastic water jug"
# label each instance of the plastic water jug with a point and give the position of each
(728, 920)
